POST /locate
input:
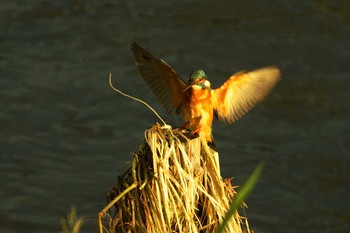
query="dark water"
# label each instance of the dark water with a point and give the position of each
(65, 135)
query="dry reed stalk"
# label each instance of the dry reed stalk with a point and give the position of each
(174, 185)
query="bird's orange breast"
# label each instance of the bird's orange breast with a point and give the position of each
(199, 111)
(199, 101)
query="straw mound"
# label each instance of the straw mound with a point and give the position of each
(178, 188)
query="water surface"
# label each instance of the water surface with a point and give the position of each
(65, 135)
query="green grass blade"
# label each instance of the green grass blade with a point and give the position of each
(241, 195)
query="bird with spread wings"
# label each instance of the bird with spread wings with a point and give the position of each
(195, 99)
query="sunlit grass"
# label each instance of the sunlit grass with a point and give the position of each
(173, 185)
(180, 188)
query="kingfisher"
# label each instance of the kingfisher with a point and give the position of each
(196, 100)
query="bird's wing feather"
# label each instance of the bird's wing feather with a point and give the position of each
(161, 78)
(242, 91)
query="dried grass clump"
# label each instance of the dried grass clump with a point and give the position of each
(174, 185)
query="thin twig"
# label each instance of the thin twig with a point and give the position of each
(134, 98)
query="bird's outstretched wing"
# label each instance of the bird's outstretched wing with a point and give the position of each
(242, 91)
(161, 78)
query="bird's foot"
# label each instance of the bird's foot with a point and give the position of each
(196, 131)
(185, 126)
(211, 144)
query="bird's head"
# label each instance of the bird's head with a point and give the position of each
(197, 78)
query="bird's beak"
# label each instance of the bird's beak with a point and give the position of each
(189, 85)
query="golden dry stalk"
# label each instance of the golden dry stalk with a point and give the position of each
(174, 185)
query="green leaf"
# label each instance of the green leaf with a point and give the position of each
(242, 194)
